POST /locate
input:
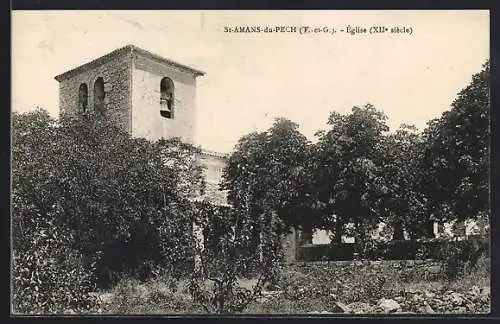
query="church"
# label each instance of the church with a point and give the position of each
(149, 96)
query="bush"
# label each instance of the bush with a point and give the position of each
(460, 256)
(214, 285)
(436, 249)
(50, 277)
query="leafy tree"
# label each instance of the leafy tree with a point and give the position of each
(349, 183)
(32, 135)
(266, 178)
(289, 182)
(403, 203)
(138, 203)
(456, 154)
(51, 277)
(48, 275)
(113, 193)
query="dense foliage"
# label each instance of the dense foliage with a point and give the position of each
(266, 178)
(350, 179)
(404, 203)
(117, 204)
(226, 255)
(359, 173)
(90, 204)
(456, 155)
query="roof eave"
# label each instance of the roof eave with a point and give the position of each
(164, 60)
(123, 50)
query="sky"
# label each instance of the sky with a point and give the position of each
(253, 78)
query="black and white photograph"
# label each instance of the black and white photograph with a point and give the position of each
(250, 162)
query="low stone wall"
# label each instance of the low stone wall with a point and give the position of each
(471, 247)
(385, 263)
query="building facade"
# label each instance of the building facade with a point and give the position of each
(148, 95)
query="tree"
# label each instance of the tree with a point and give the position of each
(288, 166)
(403, 203)
(456, 154)
(266, 179)
(267, 175)
(85, 192)
(48, 275)
(113, 193)
(32, 135)
(349, 184)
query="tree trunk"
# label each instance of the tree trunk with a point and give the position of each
(305, 236)
(398, 231)
(359, 240)
(339, 228)
(308, 236)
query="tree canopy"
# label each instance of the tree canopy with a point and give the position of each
(456, 155)
(113, 193)
(360, 173)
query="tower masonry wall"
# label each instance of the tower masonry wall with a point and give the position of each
(116, 74)
(212, 169)
(146, 119)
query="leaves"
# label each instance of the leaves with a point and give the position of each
(269, 171)
(455, 160)
(348, 169)
(110, 191)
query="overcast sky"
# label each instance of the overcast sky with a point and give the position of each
(253, 78)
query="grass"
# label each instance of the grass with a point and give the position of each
(306, 288)
(161, 295)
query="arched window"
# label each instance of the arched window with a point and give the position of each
(99, 95)
(83, 95)
(167, 98)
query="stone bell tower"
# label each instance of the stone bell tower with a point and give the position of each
(148, 95)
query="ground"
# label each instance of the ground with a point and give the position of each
(364, 288)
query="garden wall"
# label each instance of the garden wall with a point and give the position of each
(394, 250)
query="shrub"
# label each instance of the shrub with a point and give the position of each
(375, 250)
(459, 256)
(214, 284)
(50, 277)
(326, 252)
(436, 249)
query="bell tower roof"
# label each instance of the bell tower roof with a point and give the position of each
(130, 50)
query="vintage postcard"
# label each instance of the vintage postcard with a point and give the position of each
(322, 163)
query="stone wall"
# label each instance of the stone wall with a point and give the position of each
(116, 74)
(213, 165)
(146, 119)
(397, 264)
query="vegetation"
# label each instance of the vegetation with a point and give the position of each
(336, 288)
(93, 207)
(455, 158)
(349, 155)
